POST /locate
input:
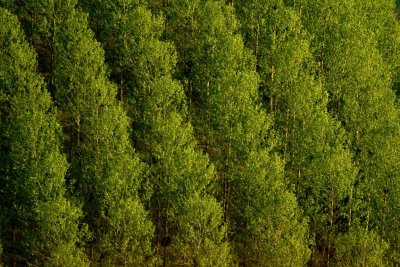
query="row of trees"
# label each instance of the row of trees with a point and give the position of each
(204, 132)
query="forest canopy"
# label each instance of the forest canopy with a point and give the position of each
(199, 133)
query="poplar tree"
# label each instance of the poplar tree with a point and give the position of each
(318, 165)
(220, 79)
(188, 219)
(383, 22)
(359, 83)
(104, 172)
(107, 171)
(40, 226)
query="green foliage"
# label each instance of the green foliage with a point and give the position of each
(318, 165)
(104, 167)
(200, 236)
(360, 248)
(359, 81)
(38, 222)
(222, 84)
(294, 102)
(180, 176)
(383, 23)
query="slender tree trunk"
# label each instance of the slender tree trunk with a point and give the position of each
(331, 219)
(165, 256)
(225, 199)
(350, 204)
(13, 257)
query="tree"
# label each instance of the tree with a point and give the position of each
(185, 213)
(313, 143)
(360, 247)
(357, 77)
(107, 171)
(104, 172)
(221, 83)
(382, 21)
(40, 225)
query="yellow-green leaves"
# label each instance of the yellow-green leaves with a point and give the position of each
(36, 218)
(222, 87)
(106, 170)
(188, 219)
(317, 164)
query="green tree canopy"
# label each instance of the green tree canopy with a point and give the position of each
(181, 178)
(317, 163)
(106, 170)
(358, 78)
(207, 132)
(39, 224)
(221, 82)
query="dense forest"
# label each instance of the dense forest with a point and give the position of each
(199, 133)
